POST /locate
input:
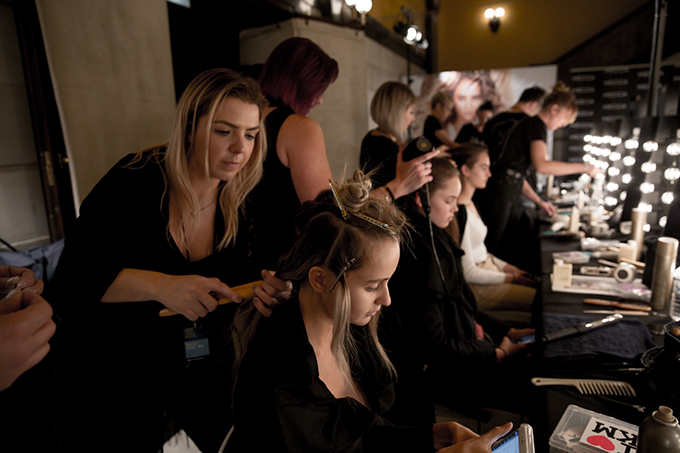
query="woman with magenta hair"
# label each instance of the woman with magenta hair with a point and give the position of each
(294, 79)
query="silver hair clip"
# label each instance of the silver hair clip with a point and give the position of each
(342, 272)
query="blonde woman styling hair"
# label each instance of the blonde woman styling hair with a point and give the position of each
(159, 230)
(392, 108)
(313, 376)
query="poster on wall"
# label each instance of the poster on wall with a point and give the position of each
(469, 89)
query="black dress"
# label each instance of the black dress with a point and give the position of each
(429, 330)
(272, 204)
(281, 404)
(379, 154)
(121, 369)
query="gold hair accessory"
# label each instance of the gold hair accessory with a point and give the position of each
(342, 272)
(345, 213)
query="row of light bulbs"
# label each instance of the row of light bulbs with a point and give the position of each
(598, 147)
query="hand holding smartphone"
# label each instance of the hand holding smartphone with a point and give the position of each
(520, 440)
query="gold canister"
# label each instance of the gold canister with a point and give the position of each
(662, 275)
(639, 218)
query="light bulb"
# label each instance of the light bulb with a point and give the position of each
(662, 221)
(587, 147)
(650, 146)
(610, 201)
(489, 13)
(364, 6)
(645, 207)
(667, 197)
(673, 149)
(613, 171)
(629, 161)
(616, 141)
(646, 187)
(672, 173)
(419, 36)
(500, 12)
(623, 195)
(615, 156)
(631, 143)
(411, 34)
(647, 227)
(604, 152)
(586, 138)
(587, 158)
(626, 178)
(648, 167)
(612, 187)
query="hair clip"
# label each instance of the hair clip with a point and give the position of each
(342, 272)
(371, 220)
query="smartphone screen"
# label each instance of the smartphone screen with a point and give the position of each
(508, 445)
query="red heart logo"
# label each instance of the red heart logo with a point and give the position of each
(602, 442)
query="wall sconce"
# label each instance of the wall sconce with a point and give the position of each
(362, 7)
(494, 16)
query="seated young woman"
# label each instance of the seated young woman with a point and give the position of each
(313, 376)
(496, 284)
(440, 340)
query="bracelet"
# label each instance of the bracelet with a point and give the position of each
(505, 354)
(389, 192)
(585, 168)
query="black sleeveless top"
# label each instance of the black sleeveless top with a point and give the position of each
(272, 204)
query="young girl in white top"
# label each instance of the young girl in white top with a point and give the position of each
(497, 285)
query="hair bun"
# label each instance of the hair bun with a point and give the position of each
(356, 191)
(561, 86)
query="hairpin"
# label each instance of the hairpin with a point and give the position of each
(342, 272)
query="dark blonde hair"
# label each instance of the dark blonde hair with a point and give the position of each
(204, 97)
(326, 239)
(561, 96)
(443, 98)
(467, 154)
(388, 108)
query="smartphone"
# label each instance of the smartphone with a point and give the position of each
(526, 340)
(520, 440)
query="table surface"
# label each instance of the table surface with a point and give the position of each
(555, 399)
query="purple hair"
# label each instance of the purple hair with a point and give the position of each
(297, 72)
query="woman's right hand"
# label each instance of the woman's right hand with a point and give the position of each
(411, 175)
(509, 348)
(481, 444)
(189, 295)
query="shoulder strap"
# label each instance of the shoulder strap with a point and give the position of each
(462, 220)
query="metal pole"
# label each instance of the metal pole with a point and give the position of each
(660, 8)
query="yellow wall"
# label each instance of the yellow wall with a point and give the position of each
(531, 32)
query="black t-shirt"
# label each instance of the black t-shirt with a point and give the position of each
(517, 152)
(496, 129)
(469, 133)
(432, 125)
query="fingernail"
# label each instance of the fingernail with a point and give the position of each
(254, 286)
(13, 293)
(265, 274)
(12, 281)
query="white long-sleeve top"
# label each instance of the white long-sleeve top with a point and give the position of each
(472, 244)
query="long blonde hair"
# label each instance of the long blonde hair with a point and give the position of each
(328, 240)
(204, 97)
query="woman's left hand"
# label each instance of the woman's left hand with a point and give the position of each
(516, 334)
(271, 292)
(450, 433)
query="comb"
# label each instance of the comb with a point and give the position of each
(590, 386)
